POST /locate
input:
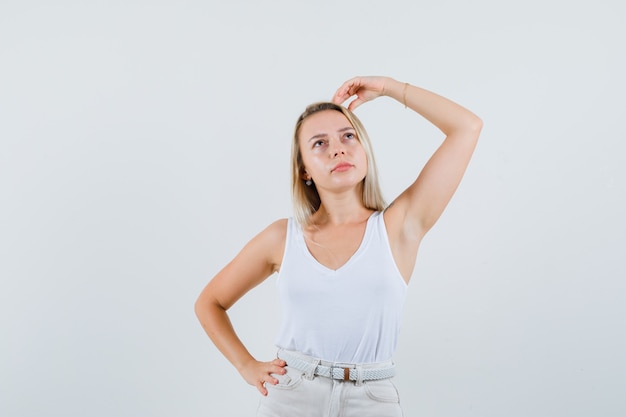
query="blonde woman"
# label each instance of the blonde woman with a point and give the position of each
(343, 261)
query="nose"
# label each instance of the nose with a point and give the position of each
(337, 149)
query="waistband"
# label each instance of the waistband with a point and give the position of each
(341, 371)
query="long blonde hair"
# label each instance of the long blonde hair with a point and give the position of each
(306, 199)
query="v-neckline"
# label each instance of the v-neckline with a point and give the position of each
(357, 252)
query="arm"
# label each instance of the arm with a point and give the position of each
(422, 203)
(256, 261)
(417, 209)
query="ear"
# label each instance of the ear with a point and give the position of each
(305, 176)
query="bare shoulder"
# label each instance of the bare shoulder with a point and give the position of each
(273, 239)
(265, 250)
(275, 234)
(277, 229)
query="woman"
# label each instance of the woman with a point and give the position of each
(343, 262)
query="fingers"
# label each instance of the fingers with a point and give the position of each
(277, 366)
(340, 96)
(261, 387)
(347, 90)
(355, 103)
(364, 88)
(279, 362)
(277, 370)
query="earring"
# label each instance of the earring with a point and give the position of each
(308, 183)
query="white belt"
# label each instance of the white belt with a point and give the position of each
(340, 371)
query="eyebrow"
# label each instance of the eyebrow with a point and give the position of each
(321, 135)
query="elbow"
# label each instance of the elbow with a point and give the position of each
(203, 314)
(202, 305)
(206, 307)
(475, 125)
(469, 126)
(198, 307)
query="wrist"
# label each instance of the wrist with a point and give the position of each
(404, 88)
(396, 90)
(241, 365)
(389, 85)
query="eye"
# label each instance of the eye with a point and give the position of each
(350, 135)
(318, 143)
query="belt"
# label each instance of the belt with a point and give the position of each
(345, 372)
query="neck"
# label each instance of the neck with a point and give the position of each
(341, 208)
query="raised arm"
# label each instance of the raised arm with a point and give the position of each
(417, 209)
(256, 261)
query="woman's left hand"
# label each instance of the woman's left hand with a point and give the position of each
(365, 89)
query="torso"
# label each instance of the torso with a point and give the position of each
(346, 307)
(333, 245)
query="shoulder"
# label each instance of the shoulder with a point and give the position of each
(276, 230)
(272, 239)
(269, 239)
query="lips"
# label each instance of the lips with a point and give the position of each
(342, 166)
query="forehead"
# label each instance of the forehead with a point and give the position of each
(325, 121)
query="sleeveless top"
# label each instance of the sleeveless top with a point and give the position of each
(348, 315)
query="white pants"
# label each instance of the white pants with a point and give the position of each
(301, 394)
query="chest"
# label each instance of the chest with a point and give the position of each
(334, 246)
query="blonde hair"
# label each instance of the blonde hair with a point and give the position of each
(306, 199)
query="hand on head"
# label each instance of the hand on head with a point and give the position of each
(364, 88)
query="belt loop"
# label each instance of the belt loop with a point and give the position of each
(359, 376)
(310, 372)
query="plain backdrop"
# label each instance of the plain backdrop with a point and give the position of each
(143, 143)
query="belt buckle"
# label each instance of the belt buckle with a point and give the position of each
(346, 373)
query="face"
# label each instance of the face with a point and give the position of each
(332, 154)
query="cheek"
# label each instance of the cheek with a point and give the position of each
(305, 159)
(309, 163)
(365, 167)
(363, 158)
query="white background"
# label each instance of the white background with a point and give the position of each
(143, 143)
